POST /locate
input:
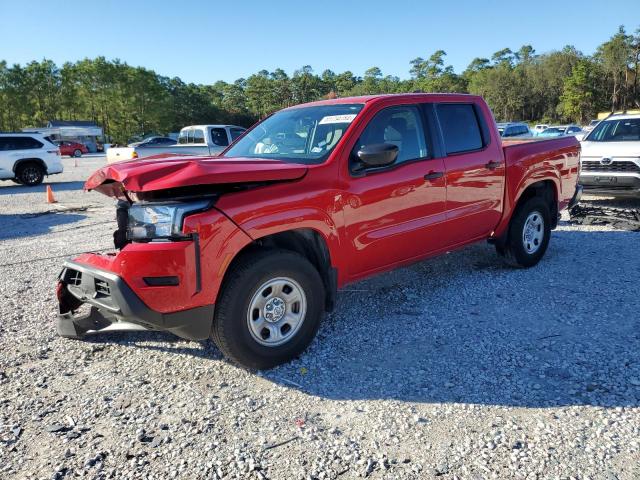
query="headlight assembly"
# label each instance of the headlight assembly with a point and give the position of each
(148, 221)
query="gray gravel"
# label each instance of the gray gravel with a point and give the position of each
(457, 367)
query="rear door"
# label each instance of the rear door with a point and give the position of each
(393, 214)
(475, 172)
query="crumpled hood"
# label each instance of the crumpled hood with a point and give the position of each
(163, 172)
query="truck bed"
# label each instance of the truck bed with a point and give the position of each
(557, 158)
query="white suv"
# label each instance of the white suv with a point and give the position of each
(610, 158)
(27, 157)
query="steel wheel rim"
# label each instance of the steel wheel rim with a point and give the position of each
(533, 232)
(276, 311)
(30, 175)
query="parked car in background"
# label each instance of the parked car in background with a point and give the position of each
(610, 161)
(541, 127)
(591, 126)
(251, 248)
(154, 142)
(561, 130)
(73, 149)
(514, 129)
(26, 158)
(205, 140)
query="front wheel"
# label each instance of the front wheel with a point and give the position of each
(77, 153)
(269, 308)
(529, 234)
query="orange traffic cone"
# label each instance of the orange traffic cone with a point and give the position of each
(50, 197)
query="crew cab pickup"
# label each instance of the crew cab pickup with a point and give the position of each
(205, 140)
(250, 248)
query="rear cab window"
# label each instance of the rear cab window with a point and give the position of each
(191, 136)
(461, 128)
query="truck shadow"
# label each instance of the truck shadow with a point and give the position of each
(463, 328)
(30, 224)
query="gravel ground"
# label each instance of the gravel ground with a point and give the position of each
(457, 367)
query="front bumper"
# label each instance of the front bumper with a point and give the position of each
(112, 300)
(610, 183)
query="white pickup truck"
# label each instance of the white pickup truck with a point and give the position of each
(205, 140)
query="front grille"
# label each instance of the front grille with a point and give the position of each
(616, 166)
(102, 288)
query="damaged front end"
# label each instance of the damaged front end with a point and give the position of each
(166, 219)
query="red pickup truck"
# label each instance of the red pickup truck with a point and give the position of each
(251, 247)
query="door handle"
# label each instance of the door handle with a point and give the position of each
(433, 175)
(492, 165)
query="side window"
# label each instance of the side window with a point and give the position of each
(401, 126)
(198, 136)
(236, 132)
(460, 127)
(4, 144)
(219, 137)
(23, 143)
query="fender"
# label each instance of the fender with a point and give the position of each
(516, 185)
(303, 217)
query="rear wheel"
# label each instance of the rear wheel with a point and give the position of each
(77, 153)
(529, 234)
(269, 308)
(30, 173)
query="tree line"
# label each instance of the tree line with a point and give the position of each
(559, 86)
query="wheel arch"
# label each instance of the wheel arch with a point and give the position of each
(548, 191)
(309, 243)
(547, 188)
(23, 161)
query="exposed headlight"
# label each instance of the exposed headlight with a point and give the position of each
(160, 220)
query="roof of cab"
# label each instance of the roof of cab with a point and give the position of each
(399, 96)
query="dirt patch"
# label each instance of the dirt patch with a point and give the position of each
(619, 218)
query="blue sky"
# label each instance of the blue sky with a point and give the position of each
(205, 41)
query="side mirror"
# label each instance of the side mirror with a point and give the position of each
(579, 136)
(378, 154)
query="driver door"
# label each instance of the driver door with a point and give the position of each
(392, 214)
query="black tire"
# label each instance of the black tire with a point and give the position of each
(77, 153)
(516, 251)
(231, 331)
(15, 180)
(30, 174)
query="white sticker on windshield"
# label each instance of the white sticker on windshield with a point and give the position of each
(338, 119)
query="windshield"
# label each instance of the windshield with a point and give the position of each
(553, 131)
(300, 135)
(627, 130)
